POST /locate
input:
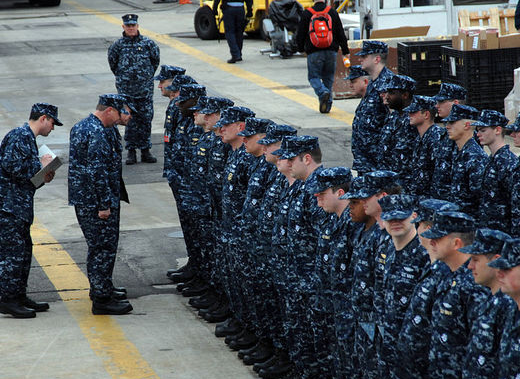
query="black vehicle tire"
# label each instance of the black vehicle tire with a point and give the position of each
(205, 24)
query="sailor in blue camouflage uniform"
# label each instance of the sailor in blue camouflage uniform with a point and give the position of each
(406, 260)
(235, 179)
(244, 255)
(397, 137)
(376, 184)
(134, 59)
(508, 266)
(481, 361)
(514, 130)
(331, 184)
(469, 160)
(304, 218)
(449, 94)
(458, 298)
(495, 199)
(19, 162)
(280, 364)
(413, 343)
(371, 112)
(423, 162)
(95, 190)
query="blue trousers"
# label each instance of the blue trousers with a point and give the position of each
(234, 25)
(321, 67)
(139, 128)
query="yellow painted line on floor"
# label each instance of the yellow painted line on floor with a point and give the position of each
(278, 88)
(121, 358)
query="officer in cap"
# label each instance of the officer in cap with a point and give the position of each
(468, 162)
(371, 112)
(134, 59)
(19, 163)
(513, 130)
(482, 351)
(95, 191)
(421, 113)
(358, 81)
(376, 185)
(330, 186)
(508, 266)
(397, 137)
(413, 344)
(495, 199)
(449, 95)
(166, 76)
(458, 296)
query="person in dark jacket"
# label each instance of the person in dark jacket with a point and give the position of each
(321, 62)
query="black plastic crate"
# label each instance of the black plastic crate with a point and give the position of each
(421, 60)
(486, 74)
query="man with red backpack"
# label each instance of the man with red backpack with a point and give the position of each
(320, 34)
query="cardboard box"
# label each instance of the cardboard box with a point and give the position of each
(476, 38)
(404, 31)
(509, 41)
(489, 39)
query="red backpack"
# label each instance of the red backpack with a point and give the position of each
(320, 28)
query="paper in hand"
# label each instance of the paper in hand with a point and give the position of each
(38, 179)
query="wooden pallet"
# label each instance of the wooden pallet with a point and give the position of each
(503, 20)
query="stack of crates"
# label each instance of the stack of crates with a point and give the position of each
(421, 60)
(487, 75)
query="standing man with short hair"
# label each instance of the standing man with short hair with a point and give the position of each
(321, 58)
(95, 189)
(134, 59)
(19, 162)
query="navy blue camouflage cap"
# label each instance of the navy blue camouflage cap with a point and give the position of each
(420, 103)
(461, 112)
(216, 104)
(179, 81)
(201, 102)
(487, 241)
(397, 207)
(489, 117)
(427, 208)
(255, 126)
(355, 72)
(190, 91)
(401, 82)
(48, 110)
(276, 132)
(115, 101)
(446, 222)
(292, 146)
(373, 47)
(169, 72)
(376, 181)
(509, 257)
(515, 126)
(450, 91)
(330, 177)
(129, 101)
(130, 19)
(234, 114)
(356, 185)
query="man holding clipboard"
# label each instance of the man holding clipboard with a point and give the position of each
(19, 162)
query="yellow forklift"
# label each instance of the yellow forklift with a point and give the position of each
(209, 26)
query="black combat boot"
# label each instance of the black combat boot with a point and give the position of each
(147, 157)
(131, 158)
(31, 304)
(12, 306)
(110, 306)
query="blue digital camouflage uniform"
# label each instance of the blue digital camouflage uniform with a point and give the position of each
(467, 166)
(509, 352)
(455, 309)
(19, 162)
(402, 271)
(423, 161)
(134, 60)
(413, 343)
(302, 231)
(370, 116)
(395, 146)
(495, 201)
(95, 184)
(321, 309)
